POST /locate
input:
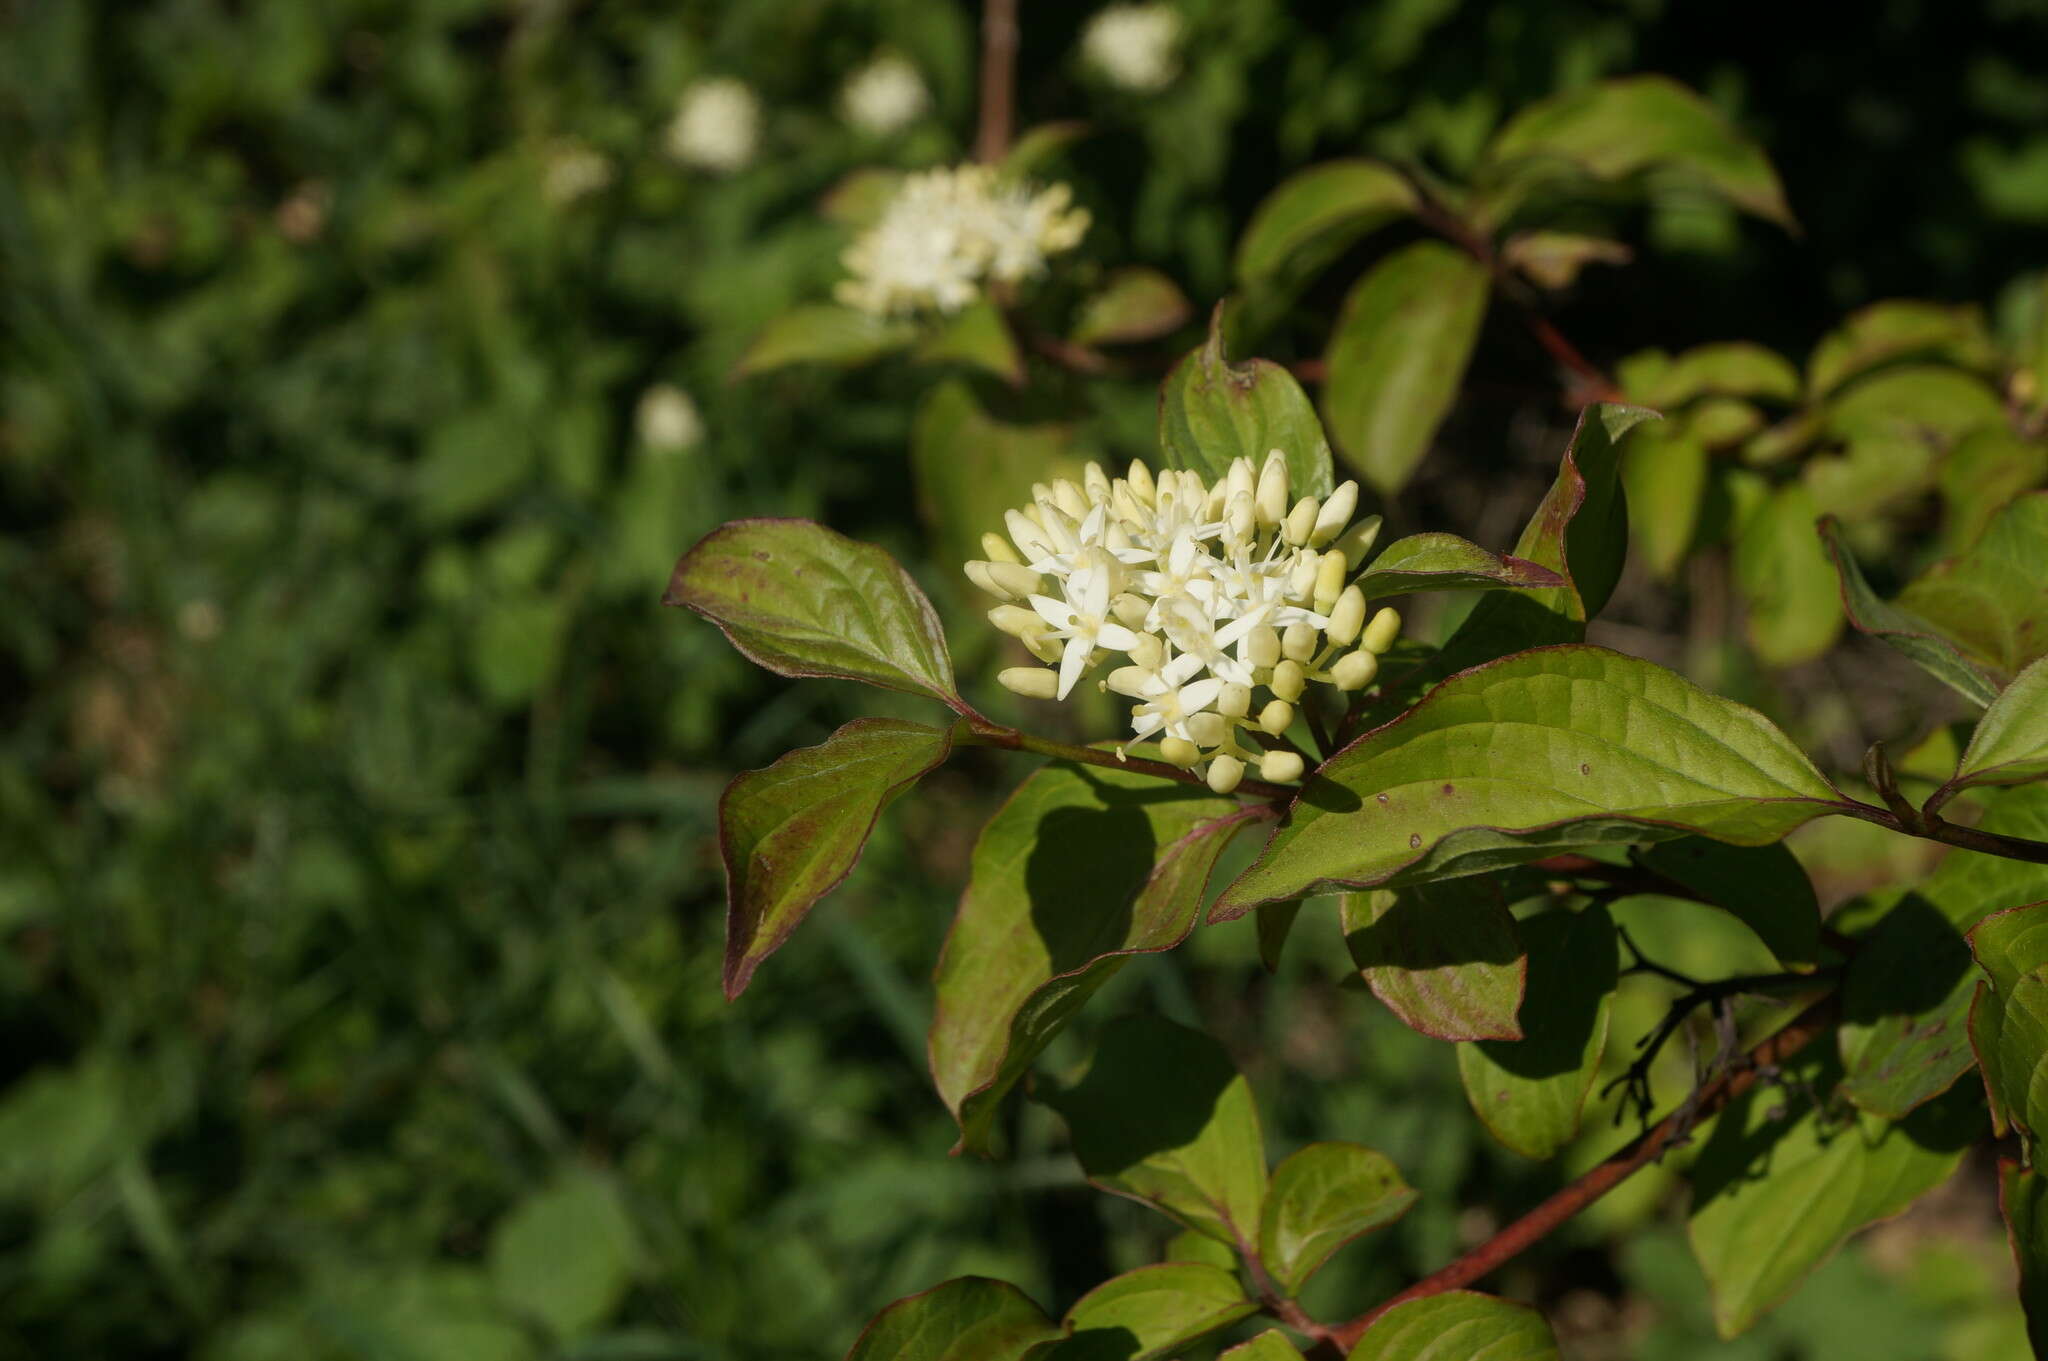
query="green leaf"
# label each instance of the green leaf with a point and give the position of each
(1918, 404)
(1164, 1117)
(1275, 922)
(1445, 562)
(1398, 355)
(1444, 958)
(1322, 1197)
(971, 467)
(970, 1318)
(1910, 634)
(1318, 212)
(470, 464)
(1764, 887)
(1036, 146)
(800, 600)
(977, 336)
(2009, 1018)
(1457, 1325)
(790, 833)
(1887, 332)
(1987, 468)
(1734, 368)
(1665, 472)
(1619, 128)
(860, 196)
(1526, 756)
(565, 1255)
(2010, 745)
(1212, 412)
(1079, 869)
(1554, 260)
(1989, 600)
(1189, 1246)
(1271, 1345)
(1160, 1308)
(823, 333)
(1134, 303)
(1530, 1093)
(1777, 1187)
(2023, 1197)
(1782, 570)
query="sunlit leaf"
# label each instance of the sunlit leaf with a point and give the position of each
(1159, 1308)
(1319, 211)
(1457, 1324)
(1728, 368)
(1445, 562)
(967, 1319)
(1665, 470)
(1989, 599)
(1794, 602)
(1212, 411)
(1271, 1345)
(1912, 635)
(2010, 744)
(1892, 331)
(1322, 1197)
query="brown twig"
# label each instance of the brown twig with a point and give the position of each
(1934, 827)
(1511, 1241)
(998, 80)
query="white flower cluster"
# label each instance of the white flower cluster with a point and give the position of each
(885, 96)
(717, 125)
(1211, 593)
(666, 420)
(948, 231)
(1136, 46)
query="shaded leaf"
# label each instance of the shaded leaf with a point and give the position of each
(1275, 922)
(1987, 468)
(1397, 356)
(1037, 145)
(1792, 593)
(2009, 1021)
(823, 333)
(1445, 562)
(1531, 1092)
(977, 336)
(1162, 1307)
(1778, 1186)
(1134, 303)
(1319, 211)
(1444, 957)
(1457, 1325)
(1080, 868)
(1322, 1197)
(972, 467)
(1164, 1117)
(860, 196)
(2023, 1198)
(800, 600)
(970, 1318)
(1991, 600)
(470, 464)
(1212, 412)
(1886, 332)
(1904, 630)
(1764, 887)
(790, 833)
(1523, 757)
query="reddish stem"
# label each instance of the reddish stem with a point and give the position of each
(998, 80)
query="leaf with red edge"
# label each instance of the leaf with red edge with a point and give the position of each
(970, 1318)
(1444, 957)
(792, 832)
(1457, 1325)
(1445, 562)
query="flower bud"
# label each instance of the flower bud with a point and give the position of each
(1347, 617)
(1224, 773)
(1130, 610)
(1383, 630)
(977, 572)
(1016, 621)
(1355, 670)
(1026, 534)
(1095, 481)
(1130, 680)
(1234, 700)
(1013, 578)
(1301, 578)
(1277, 717)
(1242, 480)
(1068, 498)
(1129, 509)
(1271, 495)
(1289, 680)
(1335, 514)
(1139, 479)
(1243, 515)
(1148, 652)
(1208, 729)
(996, 548)
(1299, 642)
(1032, 682)
(1179, 751)
(1357, 541)
(1281, 767)
(1043, 646)
(1300, 522)
(1330, 571)
(1261, 647)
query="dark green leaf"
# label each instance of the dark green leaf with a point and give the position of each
(971, 1318)
(1990, 600)
(823, 333)
(789, 834)
(1779, 1185)
(1530, 1093)
(1443, 957)
(803, 601)
(1916, 637)
(1322, 1197)
(977, 336)
(972, 467)
(860, 196)
(1398, 355)
(1445, 562)
(1035, 146)
(1523, 757)
(470, 464)
(1764, 887)
(1135, 303)
(1275, 922)
(1325, 208)
(1164, 1117)
(1887, 332)
(2009, 1021)
(1212, 412)
(1457, 1325)
(1782, 569)
(1081, 868)
(2023, 1196)
(1160, 1308)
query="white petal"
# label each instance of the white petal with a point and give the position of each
(1073, 662)
(1055, 612)
(1114, 635)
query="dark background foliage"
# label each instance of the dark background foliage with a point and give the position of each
(359, 921)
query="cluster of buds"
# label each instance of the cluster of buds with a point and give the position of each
(947, 232)
(1226, 601)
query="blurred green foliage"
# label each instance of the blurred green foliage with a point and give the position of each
(359, 921)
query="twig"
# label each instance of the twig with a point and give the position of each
(1933, 827)
(1646, 1148)
(1009, 739)
(998, 80)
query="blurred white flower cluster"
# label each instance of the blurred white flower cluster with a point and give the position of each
(572, 169)
(884, 96)
(666, 420)
(717, 125)
(948, 231)
(1212, 594)
(1135, 46)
